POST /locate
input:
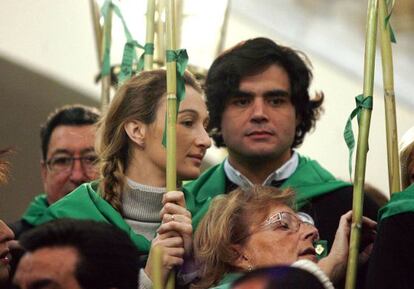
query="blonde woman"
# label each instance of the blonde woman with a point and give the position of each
(256, 228)
(131, 191)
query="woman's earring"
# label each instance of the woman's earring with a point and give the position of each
(249, 266)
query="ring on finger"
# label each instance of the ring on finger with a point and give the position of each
(172, 218)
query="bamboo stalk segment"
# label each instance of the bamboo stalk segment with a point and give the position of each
(106, 43)
(171, 110)
(362, 145)
(389, 99)
(149, 38)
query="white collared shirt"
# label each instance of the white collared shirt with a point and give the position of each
(284, 172)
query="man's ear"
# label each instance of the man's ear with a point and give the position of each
(241, 261)
(136, 132)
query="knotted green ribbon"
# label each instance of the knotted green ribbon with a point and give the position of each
(129, 54)
(387, 21)
(180, 57)
(361, 103)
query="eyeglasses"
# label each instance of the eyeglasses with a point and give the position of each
(285, 221)
(65, 163)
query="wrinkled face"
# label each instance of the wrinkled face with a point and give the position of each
(279, 240)
(192, 137)
(411, 167)
(49, 267)
(260, 120)
(60, 173)
(6, 235)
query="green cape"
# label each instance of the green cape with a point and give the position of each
(227, 280)
(309, 181)
(36, 209)
(85, 203)
(402, 202)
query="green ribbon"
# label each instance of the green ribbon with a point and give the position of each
(361, 103)
(129, 54)
(180, 57)
(387, 22)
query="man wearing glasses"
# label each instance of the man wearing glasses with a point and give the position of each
(68, 158)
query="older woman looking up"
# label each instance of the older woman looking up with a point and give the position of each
(258, 228)
(131, 192)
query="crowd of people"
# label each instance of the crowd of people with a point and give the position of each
(266, 217)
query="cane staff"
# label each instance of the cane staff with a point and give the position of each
(149, 37)
(387, 36)
(176, 62)
(98, 31)
(105, 56)
(363, 111)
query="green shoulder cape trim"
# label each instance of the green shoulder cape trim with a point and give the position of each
(84, 203)
(36, 209)
(309, 180)
(227, 280)
(402, 202)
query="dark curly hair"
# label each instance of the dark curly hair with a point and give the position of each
(252, 57)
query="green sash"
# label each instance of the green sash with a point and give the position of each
(36, 209)
(402, 202)
(310, 180)
(227, 280)
(84, 203)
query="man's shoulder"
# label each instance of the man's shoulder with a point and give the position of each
(212, 177)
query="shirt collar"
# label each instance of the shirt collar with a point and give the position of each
(284, 172)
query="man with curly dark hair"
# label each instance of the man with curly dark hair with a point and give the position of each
(260, 110)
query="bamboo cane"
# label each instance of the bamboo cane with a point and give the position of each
(97, 28)
(149, 38)
(106, 79)
(171, 110)
(362, 146)
(389, 100)
(157, 267)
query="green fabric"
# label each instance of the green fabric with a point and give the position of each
(227, 280)
(36, 209)
(361, 103)
(180, 58)
(84, 203)
(309, 180)
(387, 21)
(129, 54)
(402, 202)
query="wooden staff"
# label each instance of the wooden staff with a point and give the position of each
(106, 44)
(157, 267)
(171, 110)
(389, 99)
(362, 146)
(97, 28)
(149, 38)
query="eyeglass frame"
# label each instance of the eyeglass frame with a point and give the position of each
(301, 218)
(87, 168)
